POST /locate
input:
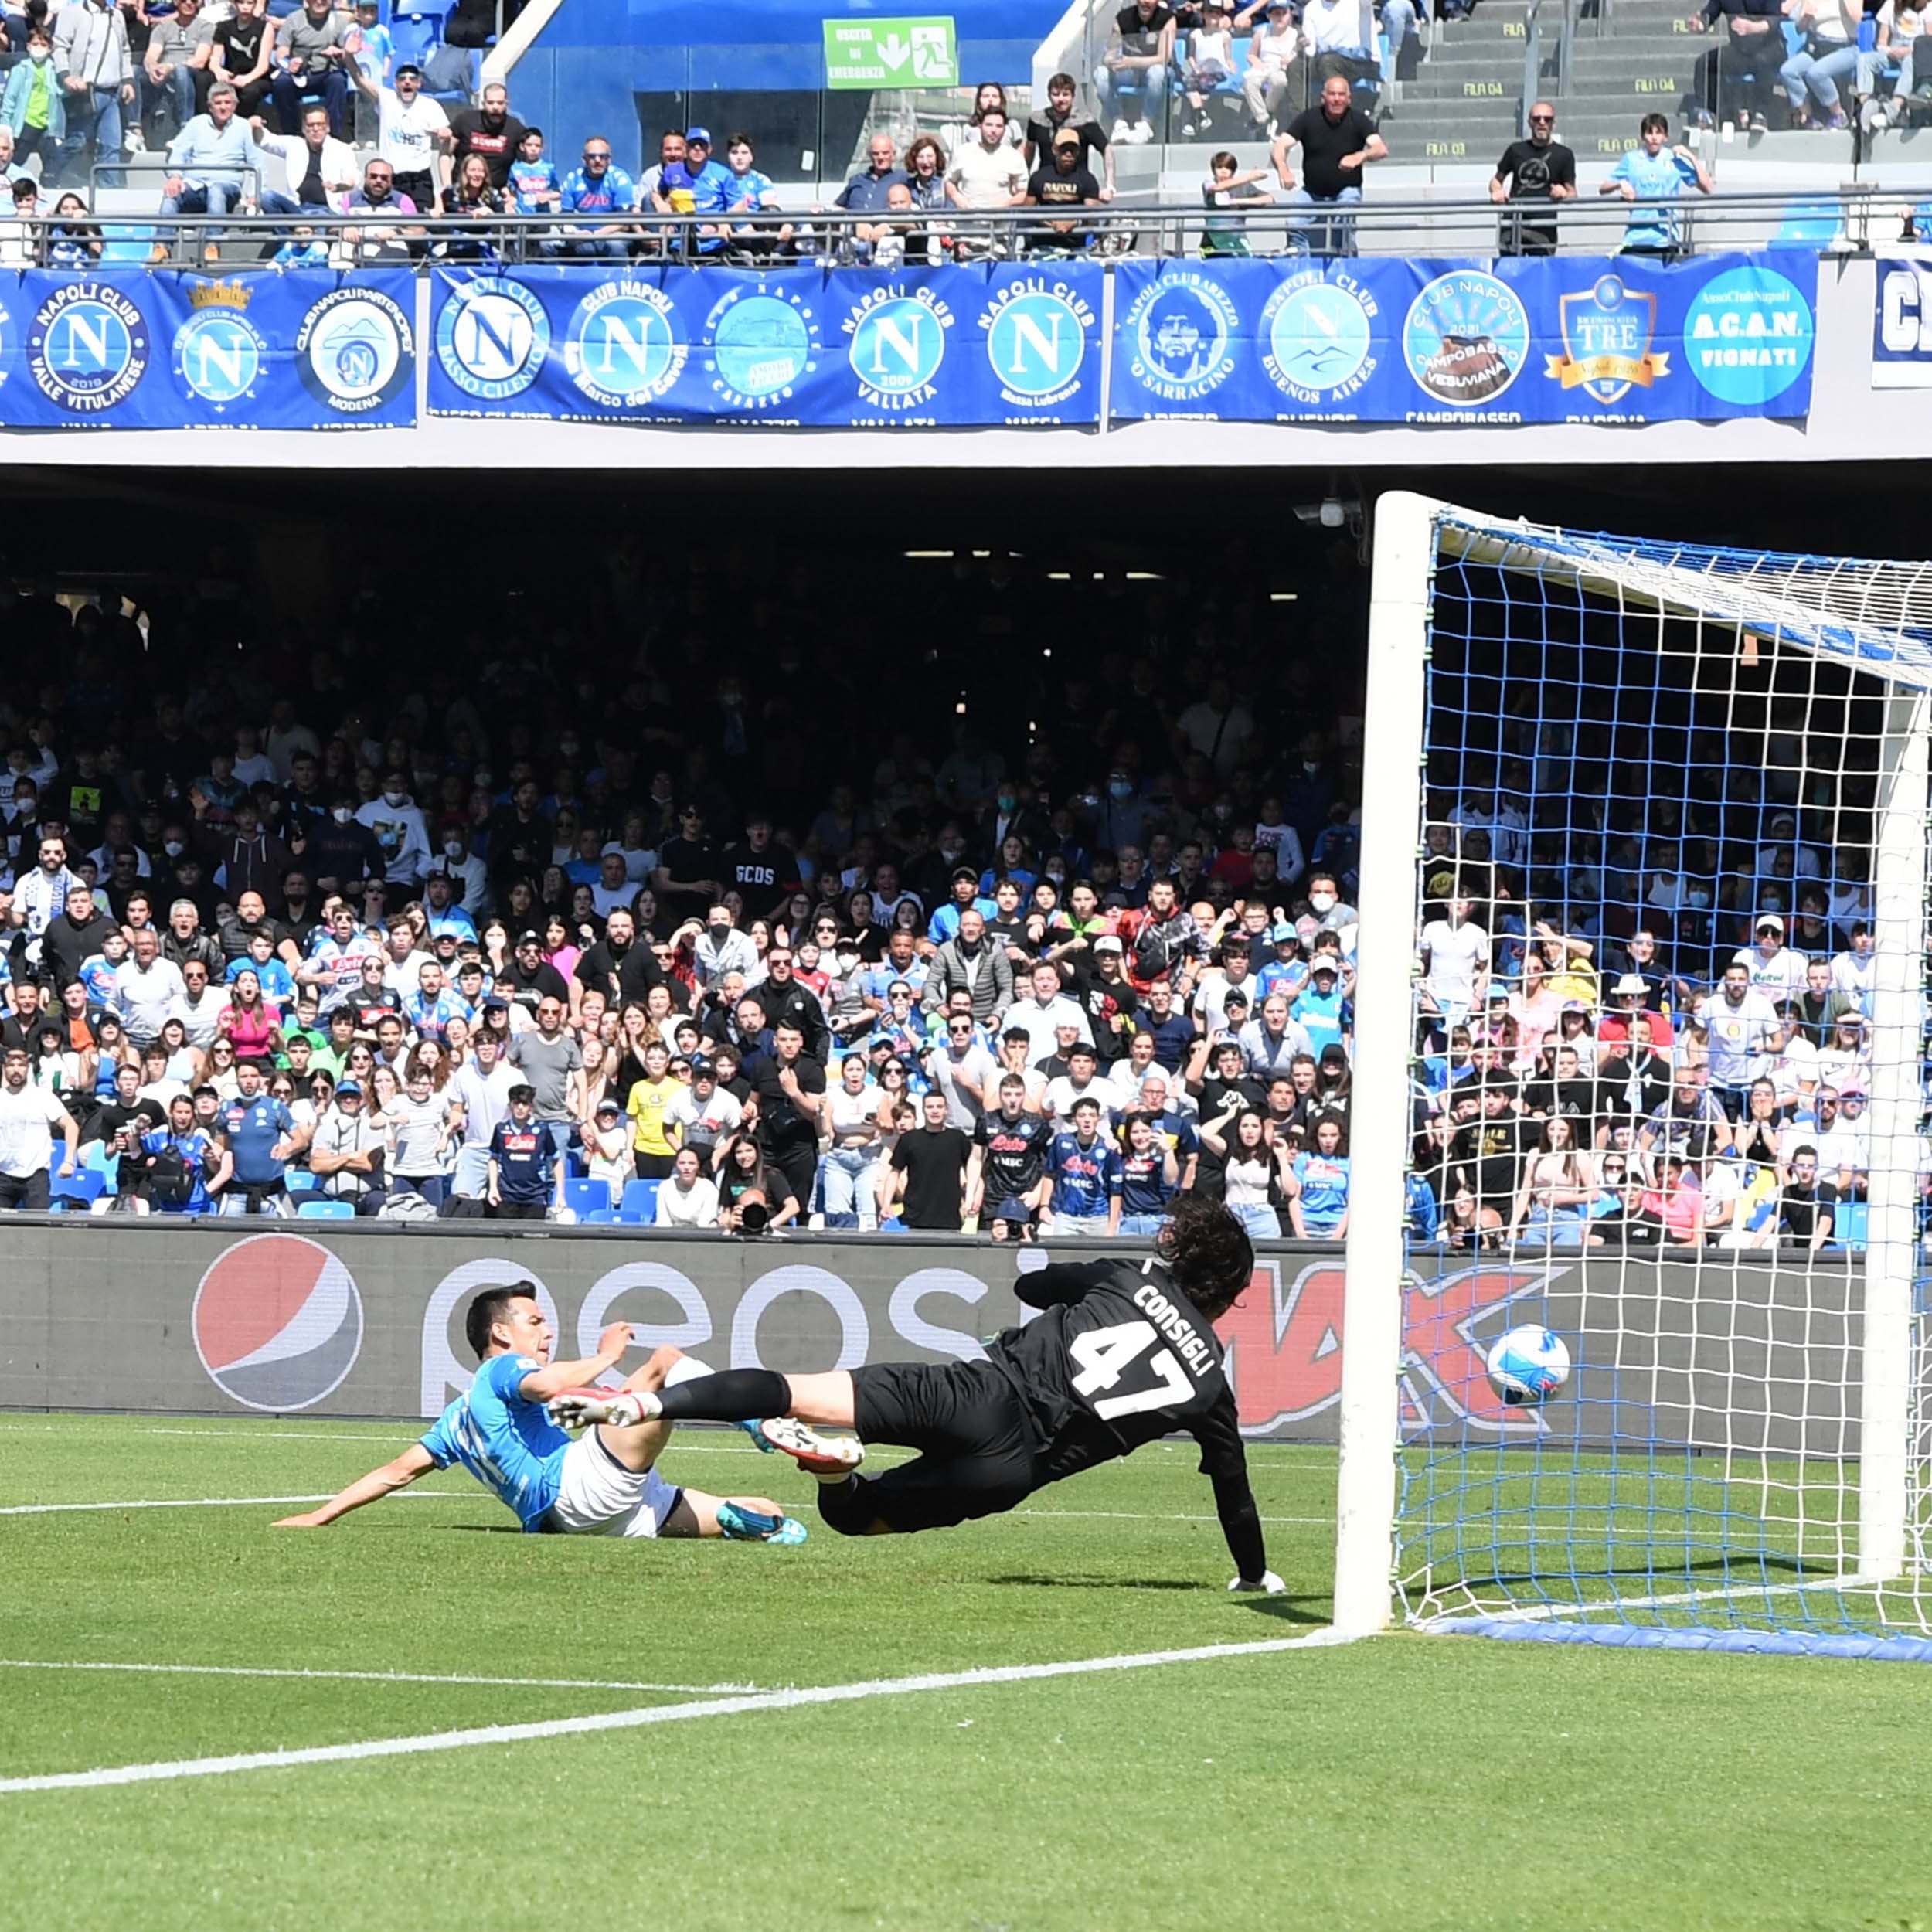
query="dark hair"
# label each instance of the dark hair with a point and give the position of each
(1208, 1253)
(492, 1306)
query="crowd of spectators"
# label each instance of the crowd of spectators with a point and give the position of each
(504, 936)
(1651, 1031)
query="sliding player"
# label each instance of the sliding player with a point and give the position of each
(1123, 1354)
(603, 1483)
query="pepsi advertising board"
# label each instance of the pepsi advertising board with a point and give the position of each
(361, 1319)
(1533, 339)
(126, 349)
(978, 346)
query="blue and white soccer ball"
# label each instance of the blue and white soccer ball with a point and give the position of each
(1528, 1366)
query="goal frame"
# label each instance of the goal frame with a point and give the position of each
(1412, 536)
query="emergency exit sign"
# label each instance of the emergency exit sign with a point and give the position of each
(891, 53)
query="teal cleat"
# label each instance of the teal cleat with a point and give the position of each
(739, 1525)
(755, 1431)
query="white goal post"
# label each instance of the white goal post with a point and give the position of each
(1837, 1518)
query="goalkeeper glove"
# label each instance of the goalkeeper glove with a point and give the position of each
(1268, 1582)
(578, 1408)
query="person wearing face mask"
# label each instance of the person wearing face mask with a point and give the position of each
(32, 107)
(396, 824)
(342, 848)
(1122, 818)
(1014, 815)
(1325, 902)
(721, 948)
(468, 875)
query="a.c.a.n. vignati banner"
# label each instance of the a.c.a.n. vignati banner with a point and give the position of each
(1534, 339)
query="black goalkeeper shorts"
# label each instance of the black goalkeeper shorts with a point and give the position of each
(979, 1452)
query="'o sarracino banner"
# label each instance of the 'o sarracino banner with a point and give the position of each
(1533, 339)
(983, 345)
(126, 348)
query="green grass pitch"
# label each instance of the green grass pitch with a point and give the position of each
(1409, 1783)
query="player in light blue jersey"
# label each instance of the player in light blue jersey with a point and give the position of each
(603, 1483)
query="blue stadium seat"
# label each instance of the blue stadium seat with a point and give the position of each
(95, 1155)
(126, 241)
(585, 1196)
(326, 1211)
(1849, 1221)
(416, 36)
(80, 1189)
(301, 1181)
(600, 1217)
(640, 1202)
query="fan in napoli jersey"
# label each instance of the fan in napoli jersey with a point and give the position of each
(1122, 1353)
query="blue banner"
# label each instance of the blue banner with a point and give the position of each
(1902, 322)
(129, 349)
(1532, 339)
(952, 347)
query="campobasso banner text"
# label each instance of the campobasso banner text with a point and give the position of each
(129, 349)
(366, 1321)
(1372, 340)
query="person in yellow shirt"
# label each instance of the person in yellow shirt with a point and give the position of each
(654, 1138)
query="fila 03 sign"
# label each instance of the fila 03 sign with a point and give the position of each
(353, 1323)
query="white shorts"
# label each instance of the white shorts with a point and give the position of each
(597, 1496)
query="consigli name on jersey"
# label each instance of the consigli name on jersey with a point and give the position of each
(1196, 1352)
(896, 343)
(1037, 329)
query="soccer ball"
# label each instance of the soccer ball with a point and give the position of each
(1528, 1366)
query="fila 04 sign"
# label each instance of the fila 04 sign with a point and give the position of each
(357, 1322)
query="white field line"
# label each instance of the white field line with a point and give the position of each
(380, 1677)
(216, 1502)
(323, 1432)
(1553, 1613)
(457, 1495)
(652, 1714)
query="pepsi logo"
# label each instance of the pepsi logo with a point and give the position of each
(277, 1322)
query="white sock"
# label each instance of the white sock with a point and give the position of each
(686, 1368)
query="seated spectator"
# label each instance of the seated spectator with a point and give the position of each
(20, 235)
(689, 1199)
(243, 54)
(1272, 48)
(1804, 1217)
(179, 49)
(380, 230)
(1207, 61)
(1341, 39)
(1133, 71)
(471, 197)
(987, 173)
(208, 161)
(1062, 182)
(1830, 54)
(748, 192)
(313, 56)
(1059, 116)
(318, 172)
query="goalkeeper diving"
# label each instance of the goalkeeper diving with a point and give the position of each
(605, 1483)
(1122, 1353)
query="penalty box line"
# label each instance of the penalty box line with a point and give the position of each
(781, 1700)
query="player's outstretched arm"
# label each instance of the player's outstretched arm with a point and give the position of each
(414, 1461)
(541, 1384)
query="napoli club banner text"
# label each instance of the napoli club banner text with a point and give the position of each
(129, 350)
(969, 346)
(1530, 340)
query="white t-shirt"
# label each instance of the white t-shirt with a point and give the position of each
(1780, 977)
(415, 1127)
(985, 180)
(1738, 1035)
(1852, 973)
(1062, 1093)
(1455, 952)
(406, 137)
(146, 998)
(697, 1208)
(26, 1121)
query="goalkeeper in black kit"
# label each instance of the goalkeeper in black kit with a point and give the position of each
(1123, 1353)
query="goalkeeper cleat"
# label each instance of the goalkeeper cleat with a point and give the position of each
(738, 1524)
(624, 1408)
(817, 1455)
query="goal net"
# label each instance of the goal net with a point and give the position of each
(1641, 1026)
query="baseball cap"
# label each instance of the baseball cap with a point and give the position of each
(1282, 933)
(701, 1068)
(1767, 918)
(1630, 983)
(1067, 138)
(608, 1105)
(1015, 1213)
(409, 67)
(529, 936)
(1325, 964)
(496, 1003)
(345, 1087)
(1108, 943)
(523, 1090)
(698, 134)
(1497, 993)
(965, 871)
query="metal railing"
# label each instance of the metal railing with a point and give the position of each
(1860, 217)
